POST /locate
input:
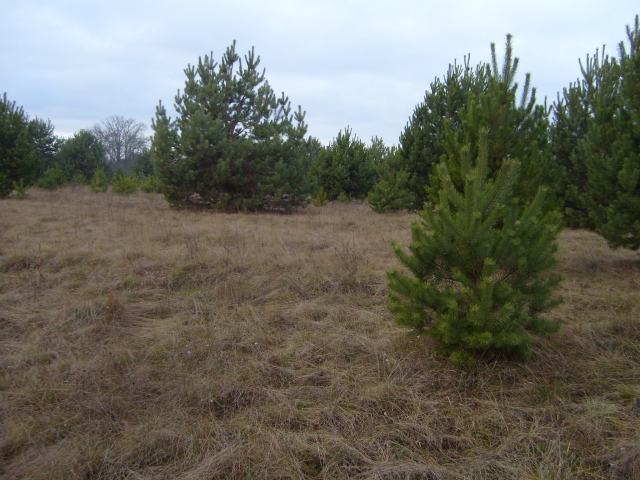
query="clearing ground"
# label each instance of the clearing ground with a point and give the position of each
(138, 342)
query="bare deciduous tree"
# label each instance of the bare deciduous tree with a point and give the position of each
(122, 138)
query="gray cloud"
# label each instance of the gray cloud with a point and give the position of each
(356, 63)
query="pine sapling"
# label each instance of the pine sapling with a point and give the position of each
(479, 263)
(124, 185)
(100, 181)
(20, 189)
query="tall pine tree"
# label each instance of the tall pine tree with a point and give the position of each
(517, 129)
(582, 126)
(234, 145)
(421, 142)
(611, 150)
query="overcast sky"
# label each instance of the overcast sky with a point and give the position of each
(363, 64)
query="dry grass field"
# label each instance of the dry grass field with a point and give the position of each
(138, 342)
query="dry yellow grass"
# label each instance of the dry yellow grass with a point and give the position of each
(137, 342)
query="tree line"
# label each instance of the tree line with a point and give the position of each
(235, 145)
(31, 153)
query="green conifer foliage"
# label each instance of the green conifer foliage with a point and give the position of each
(142, 165)
(517, 128)
(18, 157)
(479, 264)
(52, 179)
(421, 142)
(611, 150)
(150, 184)
(124, 185)
(346, 167)
(587, 104)
(81, 154)
(118, 174)
(320, 198)
(20, 190)
(100, 181)
(45, 143)
(234, 145)
(392, 192)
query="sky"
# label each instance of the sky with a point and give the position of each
(365, 65)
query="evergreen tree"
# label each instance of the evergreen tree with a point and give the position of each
(234, 145)
(142, 168)
(421, 143)
(346, 167)
(52, 178)
(586, 110)
(311, 148)
(45, 143)
(568, 128)
(81, 154)
(477, 263)
(379, 152)
(99, 181)
(124, 185)
(118, 174)
(142, 165)
(18, 157)
(150, 184)
(21, 190)
(516, 129)
(611, 150)
(391, 192)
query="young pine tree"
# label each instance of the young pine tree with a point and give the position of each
(478, 264)
(392, 192)
(421, 142)
(517, 128)
(124, 185)
(611, 151)
(52, 179)
(587, 104)
(18, 158)
(99, 181)
(346, 167)
(234, 145)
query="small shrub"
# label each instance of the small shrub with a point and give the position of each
(392, 194)
(320, 198)
(150, 184)
(99, 182)
(21, 190)
(124, 185)
(351, 258)
(52, 179)
(343, 198)
(78, 180)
